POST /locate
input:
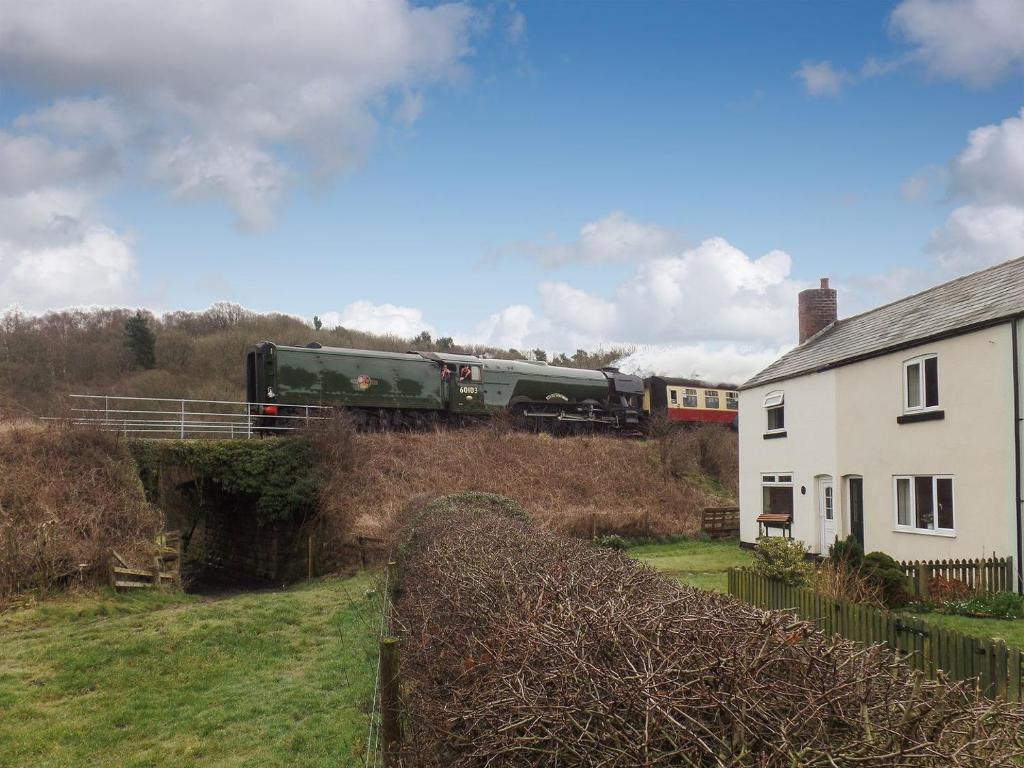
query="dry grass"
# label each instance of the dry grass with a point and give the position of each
(67, 497)
(709, 450)
(572, 486)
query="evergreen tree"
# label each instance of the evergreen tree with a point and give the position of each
(317, 323)
(140, 340)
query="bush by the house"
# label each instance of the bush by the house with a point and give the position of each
(848, 551)
(886, 573)
(944, 590)
(784, 559)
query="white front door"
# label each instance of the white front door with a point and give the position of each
(827, 511)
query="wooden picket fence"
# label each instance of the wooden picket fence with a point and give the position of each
(995, 668)
(986, 576)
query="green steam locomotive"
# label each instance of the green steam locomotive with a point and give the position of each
(385, 390)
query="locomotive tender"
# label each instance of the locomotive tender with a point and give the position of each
(416, 389)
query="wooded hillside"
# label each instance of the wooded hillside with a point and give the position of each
(179, 354)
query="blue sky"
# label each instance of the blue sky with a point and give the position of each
(555, 174)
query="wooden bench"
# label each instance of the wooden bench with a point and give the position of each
(721, 522)
(781, 520)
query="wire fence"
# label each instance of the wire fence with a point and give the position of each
(174, 418)
(374, 755)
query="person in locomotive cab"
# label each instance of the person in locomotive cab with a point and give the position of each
(465, 373)
(446, 372)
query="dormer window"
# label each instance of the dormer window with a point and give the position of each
(775, 407)
(921, 384)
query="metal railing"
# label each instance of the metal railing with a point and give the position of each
(161, 417)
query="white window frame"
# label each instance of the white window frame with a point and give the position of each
(732, 401)
(712, 393)
(772, 400)
(673, 396)
(912, 500)
(691, 392)
(775, 480)
(921, 386)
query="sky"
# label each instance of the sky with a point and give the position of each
(661, 175)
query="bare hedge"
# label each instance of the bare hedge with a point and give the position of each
(521, 648)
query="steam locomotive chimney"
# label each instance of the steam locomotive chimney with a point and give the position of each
(818, 308)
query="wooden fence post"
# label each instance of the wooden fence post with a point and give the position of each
(922, 580)
(309, 556)
(390, 702)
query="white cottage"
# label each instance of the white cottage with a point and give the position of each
(900, 426)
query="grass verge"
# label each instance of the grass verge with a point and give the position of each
(702, 564)
(262, 679)
(1010, 630)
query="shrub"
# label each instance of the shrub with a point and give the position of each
(783, 559)
(611, 541)
(882, 570)
(841, 580)
(943, 590)
(848, 551)
(1003, 605)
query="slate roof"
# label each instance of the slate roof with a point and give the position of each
(959, 306)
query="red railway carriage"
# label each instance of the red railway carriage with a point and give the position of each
(690, 400)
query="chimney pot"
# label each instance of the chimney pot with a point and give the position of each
(817, 309)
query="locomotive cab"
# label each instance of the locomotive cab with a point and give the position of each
(625, 394)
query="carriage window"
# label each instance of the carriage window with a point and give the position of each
(689, 398)
(732, 401)
(775, 406)
(673, 396)
(924, 503)
(921, 383)
(710, 398)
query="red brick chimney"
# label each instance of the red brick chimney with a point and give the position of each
(818, 308)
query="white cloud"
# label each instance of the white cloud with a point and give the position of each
(988, 175)
(615, 237)
(821, 78)
(711, 292)
(728, 363)
(975, 236)
(379, 318)
(575, 310)
(52, 251)
(208, 95)
(990, 169)
(972, 40)
(511, 327)
(516, 25)
(97, 267)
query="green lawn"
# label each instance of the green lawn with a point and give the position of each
(701, 564)
(275, 678)
(1012, 631)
